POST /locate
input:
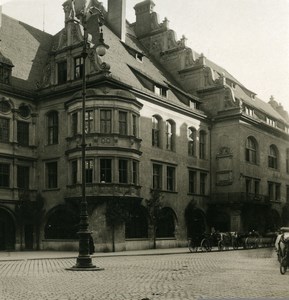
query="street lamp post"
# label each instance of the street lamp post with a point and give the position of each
(84, 261)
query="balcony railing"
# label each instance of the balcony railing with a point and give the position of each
(104, 189)
(226, 198)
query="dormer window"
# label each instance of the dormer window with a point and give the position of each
(62, 72)
(160, 91)
(139, 56)
(5, 69)
(5, 74)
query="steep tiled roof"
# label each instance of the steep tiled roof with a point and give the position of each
(27, 48)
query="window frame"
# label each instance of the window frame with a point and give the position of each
(23, 133)
(52, 128)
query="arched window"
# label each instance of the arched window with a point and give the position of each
(251, 150)
(170, 135)
(52, 119)
(156, 131)
(192, 141)
(166, 223)
(202, 144)
(136, 225)
(62, 224)
(273, 157)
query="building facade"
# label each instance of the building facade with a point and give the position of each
(158, 117)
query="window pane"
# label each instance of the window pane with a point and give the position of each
(4, 175)
(170, 179)
(105, 121)
(157, 176)
(23, 133)
(105, 170)
(52, 128)
(4, 130)
(123, 171)
(51, 169)
(89, 171)
(122, 123)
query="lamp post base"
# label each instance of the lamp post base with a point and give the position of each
(84, 264)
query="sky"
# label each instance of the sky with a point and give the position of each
(248, 38)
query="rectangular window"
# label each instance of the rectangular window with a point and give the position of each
(134, 172)
(157, 177)
(122, 170)
(134, 125)
(62, 72)
(53, 128)
(248, 185)
(23, 177)
(74, 123)
(277, 192)
(171, 179)
(105, 121)
(51, 175)
(4, 130)
(23, 133)
(105, 170)
(271, 190)
(88, 121)
(203, 179)
(192, 182)
(89, 171)
(78, 67)
(74, 172)
(122, 122)
(202, 145)
(4, 175)
(257, 187)
(287, 193)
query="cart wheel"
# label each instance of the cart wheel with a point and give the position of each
(205, 245)
(283, 266)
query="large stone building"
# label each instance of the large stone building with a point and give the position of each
(158, 116)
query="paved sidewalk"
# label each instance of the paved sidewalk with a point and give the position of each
(29, 255)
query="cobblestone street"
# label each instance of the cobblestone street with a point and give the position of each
(217, 275)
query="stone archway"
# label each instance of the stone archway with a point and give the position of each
(195, 221)
(7, 230)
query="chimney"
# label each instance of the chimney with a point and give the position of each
(117, 18)
(143, 13)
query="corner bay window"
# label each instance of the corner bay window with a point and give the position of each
(105, 121)
(89, 171)
(105, 170)
(122, 122)
(123, 171)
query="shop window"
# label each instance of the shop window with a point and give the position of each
(136, 225)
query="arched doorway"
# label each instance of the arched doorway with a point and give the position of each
(195, 221)
(165, 227)
(136, 225)
(7, 230)
(62, 223)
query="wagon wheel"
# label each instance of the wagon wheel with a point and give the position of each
(283, 265)
(192, 246)
(205, 245)
(220, 245)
